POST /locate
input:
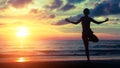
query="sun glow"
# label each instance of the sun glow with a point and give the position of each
(21, 59)
(22, 32)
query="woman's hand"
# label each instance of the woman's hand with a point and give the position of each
(107, 19)
(67, 20)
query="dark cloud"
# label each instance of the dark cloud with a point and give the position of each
(19, 3)
(70, 4)
(75, 1)
(60, 22)
(58, 4)
(55, 4)
(107, 7)
(67, 7)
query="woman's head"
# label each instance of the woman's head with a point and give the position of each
(86, 11)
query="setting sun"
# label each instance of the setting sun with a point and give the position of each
(21, 59)
(22, 31)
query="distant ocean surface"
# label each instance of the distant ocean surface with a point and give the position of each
(63, 48)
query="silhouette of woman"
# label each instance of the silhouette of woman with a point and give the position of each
(87, 33)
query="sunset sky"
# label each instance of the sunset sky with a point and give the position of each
(44, 19)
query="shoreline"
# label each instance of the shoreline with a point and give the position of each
(63, 64)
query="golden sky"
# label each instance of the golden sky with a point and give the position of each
(44, 19)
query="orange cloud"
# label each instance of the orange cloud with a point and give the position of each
(34, 11)
(42, 14)
(19, 3)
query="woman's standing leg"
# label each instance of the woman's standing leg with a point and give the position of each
(86, 45)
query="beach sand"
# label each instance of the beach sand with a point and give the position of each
(63, 64)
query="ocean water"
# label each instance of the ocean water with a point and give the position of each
(61, 48)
